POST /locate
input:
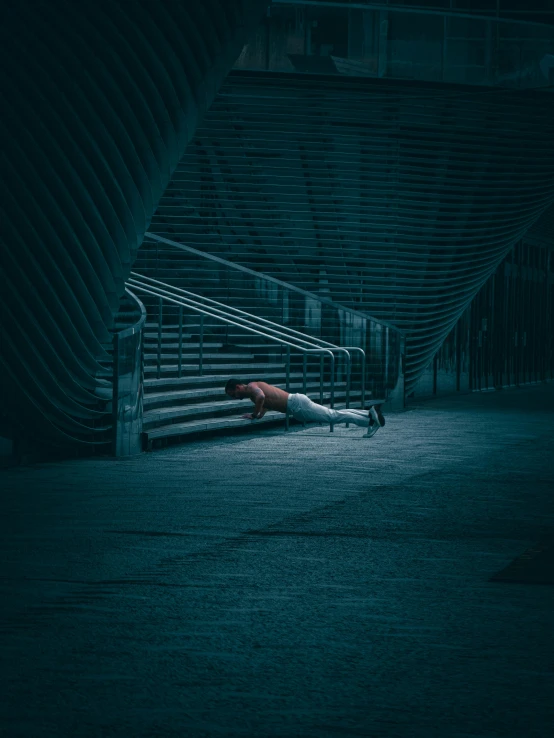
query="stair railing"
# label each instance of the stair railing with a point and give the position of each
(276, 328)
(127, 394)
(314, 314)
(304, 346)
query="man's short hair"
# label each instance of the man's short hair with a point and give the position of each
(232, 384)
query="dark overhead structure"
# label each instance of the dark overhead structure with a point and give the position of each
(99, 100)
(396, 199)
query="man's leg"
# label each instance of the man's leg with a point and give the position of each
(358, 417)
(309, 411)
(377, 420)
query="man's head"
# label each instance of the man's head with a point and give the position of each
(236, 388)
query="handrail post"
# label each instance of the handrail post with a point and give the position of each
(363, 380)
(201, 347)
(180, 365)
(115, 393)
(160, 317)
(304, 383)
(332, 403)
(128, 385)
(287, 386)
(321, 367)
(348, 379)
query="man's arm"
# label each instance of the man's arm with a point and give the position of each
(257, 396)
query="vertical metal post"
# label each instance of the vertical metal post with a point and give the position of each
(387, 351)
(348, 379)
(546, 332)
(332, 403)
(363, 381)
(305, 368)
(444, 48)
(201, 347)
(160, 317)
(321, 360)
(458, 350)
(227, 324)
(287, 387)
(383, 35)
(115, 396)
(307, 33)
(267, 38)
(180, 361)
(488, 53)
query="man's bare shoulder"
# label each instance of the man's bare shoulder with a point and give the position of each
(257, 387)
(270, 390)
(261, 385)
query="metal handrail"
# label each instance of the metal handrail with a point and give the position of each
(365, 317)
(282, 330)
(126, 433)
(268, 278)
(218, 315)
(137, 325)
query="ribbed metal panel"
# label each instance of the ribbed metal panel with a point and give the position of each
(99, 100)
(541, 232)
(396, 198)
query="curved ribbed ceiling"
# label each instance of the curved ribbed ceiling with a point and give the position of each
(99, 100)
(400, 198)
(541, 232)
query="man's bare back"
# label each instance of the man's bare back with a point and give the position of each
(264, 396)
(275, 398)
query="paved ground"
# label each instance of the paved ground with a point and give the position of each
(301, 585)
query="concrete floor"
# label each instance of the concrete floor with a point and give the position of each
(271, 585)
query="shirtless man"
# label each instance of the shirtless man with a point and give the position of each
(267, 397)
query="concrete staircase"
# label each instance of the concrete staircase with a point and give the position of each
(179, 408)
(184, 392)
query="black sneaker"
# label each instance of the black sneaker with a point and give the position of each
(372, 430)
(374, 417)
(380, 416)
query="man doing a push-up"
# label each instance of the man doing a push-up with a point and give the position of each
(267, 397)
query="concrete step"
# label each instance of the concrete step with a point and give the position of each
(187, 430)
(148, 335)
(153, 357)
(207, 380)
(183, 431)
(188, 328)
(167, 343)
(211, 408)
(229, 369)
(217, 392)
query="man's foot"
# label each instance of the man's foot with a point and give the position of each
(376, 416)
(380, 415)
(372, 430)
